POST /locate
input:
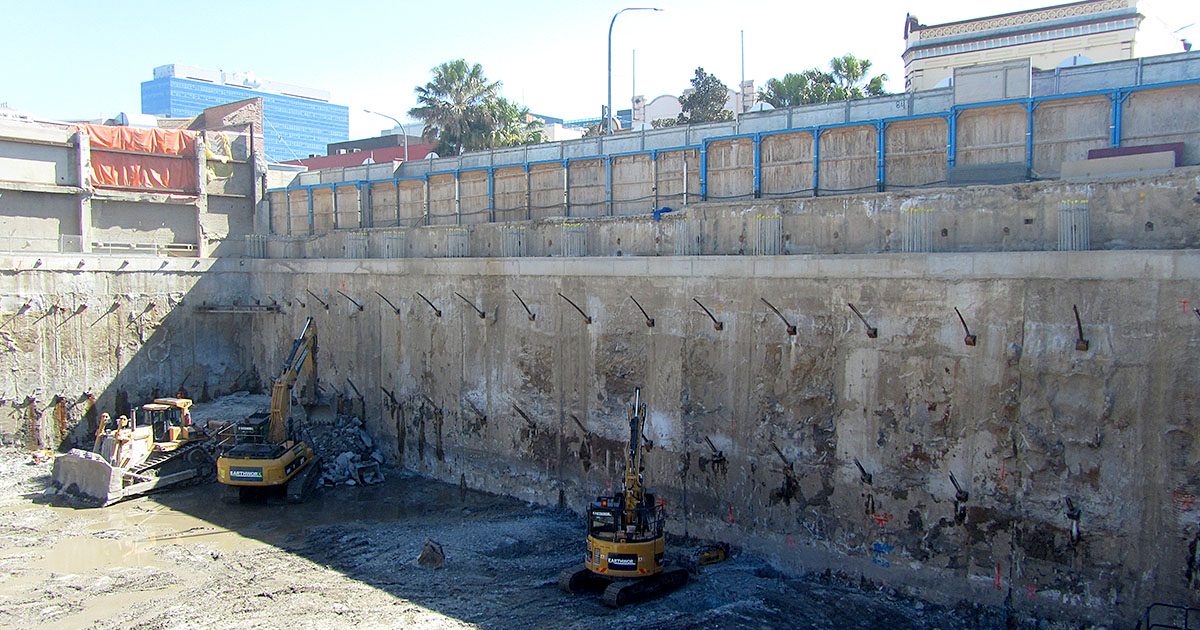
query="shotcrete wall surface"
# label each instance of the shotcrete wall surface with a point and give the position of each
(1077, 467)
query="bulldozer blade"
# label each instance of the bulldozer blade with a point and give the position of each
(87, 476)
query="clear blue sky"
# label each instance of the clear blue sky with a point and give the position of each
(77, 59)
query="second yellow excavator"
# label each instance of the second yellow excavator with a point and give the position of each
(625, 536)
(269, 451)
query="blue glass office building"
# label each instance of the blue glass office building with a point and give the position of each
(294, 126)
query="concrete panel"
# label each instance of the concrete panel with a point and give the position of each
(875, 108)
(671, 176)
(848, 159)
(730, 169)
(1164, 115)
(510, 197)
(992, 135)
(142, 223)
(349, 210)
(383, 204)
(1065, 130)
(763, 121)
(1097, 76)
(443, 208)
(992, 81)
(1122, 166)
(546, 190)
(816, 115)
(916, 152)
(787, 164)
(588, 194)
(626, 142)
(666, 139)
(38, 164)
(473, 187)
(309, 178)
(541, 153)
(476, 160)
(299, 217)
(633, 185)
(412, 201)
(933, 101)
(322, 210)
(33, 222)
(1168, 68)
(587, 147)
(697, 133)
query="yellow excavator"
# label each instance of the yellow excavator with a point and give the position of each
(268, 452)
(625, 537)
(155, 447)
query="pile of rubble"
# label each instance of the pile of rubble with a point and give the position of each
(348, 452)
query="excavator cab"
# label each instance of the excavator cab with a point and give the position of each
(170, 419)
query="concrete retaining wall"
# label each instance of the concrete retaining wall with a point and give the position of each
(1023, 420)
(1144, 213)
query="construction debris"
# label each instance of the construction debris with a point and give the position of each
(351, 455)
(432, 556)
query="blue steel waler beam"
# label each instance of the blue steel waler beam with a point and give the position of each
(1116, 95)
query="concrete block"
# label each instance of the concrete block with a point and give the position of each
(1122, 166)
(992, 81)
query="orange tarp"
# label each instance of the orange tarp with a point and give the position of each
(125, 170)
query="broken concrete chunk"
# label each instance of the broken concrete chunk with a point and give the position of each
(432, 556)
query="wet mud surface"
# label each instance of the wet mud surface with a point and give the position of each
(183, 559)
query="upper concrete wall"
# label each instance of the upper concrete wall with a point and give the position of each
(1140, 213)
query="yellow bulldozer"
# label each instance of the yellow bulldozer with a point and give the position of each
(269, 452)
(626, 546)
(155, 447)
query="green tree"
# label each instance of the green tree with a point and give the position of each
(846, 80)
(850, 78)
(705, 102)
(513, 125)
(456, 107)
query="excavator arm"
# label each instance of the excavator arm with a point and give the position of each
(635, 491)
(301, 361)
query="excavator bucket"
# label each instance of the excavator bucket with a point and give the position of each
(87, 476)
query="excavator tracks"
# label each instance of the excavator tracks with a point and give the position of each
(619, 593)
(622, 592)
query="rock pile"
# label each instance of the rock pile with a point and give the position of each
(348, 452)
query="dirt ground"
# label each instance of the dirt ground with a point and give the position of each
(183, 559)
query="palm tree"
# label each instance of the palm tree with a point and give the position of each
(513, 125)
(456, 107)
(848, 72)
(843, 82)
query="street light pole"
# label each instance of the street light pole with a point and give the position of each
(608, 113)
(398, 124)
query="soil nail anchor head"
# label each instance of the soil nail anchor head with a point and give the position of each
(791, 330)
(532, 317)
(1073, 514)
(863, 475)
(352, 301)
(649, 320)
(718, 456)
(969, 339)
(528, 421)
(1081, 344)
(872, 331)
(436, 310)
(960, 500)
(1197, 312)
(586, 318)
(717, 325)
(482, 314)
(317, 298)
(389, 302)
